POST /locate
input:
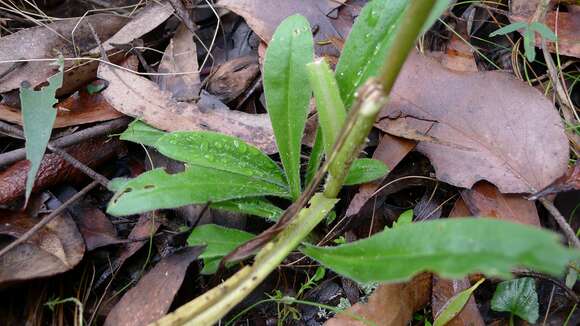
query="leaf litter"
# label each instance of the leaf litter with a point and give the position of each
(488, 141)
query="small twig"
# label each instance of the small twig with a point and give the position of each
(98, 130)
(566, 228)
(45, 220)
(66, 156)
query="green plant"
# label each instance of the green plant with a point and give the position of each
(381, 39)
(518, 297)
(529, 32)
(454, 306)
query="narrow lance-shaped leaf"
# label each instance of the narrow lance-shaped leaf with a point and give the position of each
(254, 206)
(220, 152)
(331, 112)
(509, 28)
(219, 241)
(454, 306)
(287, 91)
(38, 116)
(451, 248)
(365, 170)
(367, 44)
(156, 189)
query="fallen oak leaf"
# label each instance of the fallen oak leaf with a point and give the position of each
(515, 136)
(140, 98)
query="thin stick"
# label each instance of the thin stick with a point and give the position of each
(99, 130)
(66, 156)
(566, 228)
(45, 220)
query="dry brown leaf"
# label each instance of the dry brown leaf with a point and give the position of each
(44, 43)
(458, 54)
(142, 23)
(444, 290)
(263, 16)
(233, 77)
(140, 98)
(180, 56)
(484, 199)
(569, 181)
(56, 248)
(565, 24)
(75, 110)
(151, 298)
(54, 169)
(390, 304)
(490, 126)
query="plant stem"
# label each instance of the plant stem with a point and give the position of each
(404, 41)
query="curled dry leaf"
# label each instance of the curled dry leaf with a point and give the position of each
(54, 169)
(390, 304)
(233, 77)
(565, 24)
(485, 200)
(48, 42)
(263, 16)
(142, 23)
(569, 181)
(151, 298)
(54, 249)
(140, 98)
(498, 129)
(180, 57)
(79, 108)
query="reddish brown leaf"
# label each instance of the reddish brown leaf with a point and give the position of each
(233, 77)
(75, 110)
(94, 225)
(458, 54)
(54, 169)
(47, 42)
(444, 290)
(56, 248)
(151, 298)
(569, 181)
(263, 16)
(489, 126)
(484, 199)
(390, 304)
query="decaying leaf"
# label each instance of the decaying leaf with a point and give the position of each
(263, 16)
(390, 304)
(569, 181)
(499, 129)
(50, 41)
(56, 248)
(232, 78)
(151, 298)
(79, 108)
(138, 97)
(142, 23)
(484, 199)
(565, 24)
(180, 57)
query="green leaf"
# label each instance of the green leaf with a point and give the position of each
(331, 112)
(288, 92)
(529, 45)
(405, 218)
(257, 206)
(316, 155)
(454, 306)
(452, 248)
(509, 28)
(141, 133)
(219, 242)
(436, 12)
(518, 297)
(365, 170)
(220, 152)
(38, 116)
(156, 189)
(544, 31)
(367, 44)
